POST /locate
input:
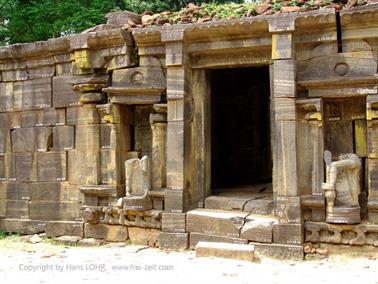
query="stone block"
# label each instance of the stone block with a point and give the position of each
(174, 222)
(54, 116)
(64, 138)
(32, 118)
(194, 238)
(34, 139)
(81, 115)
(258, 229)
(17, 209)
(87, 137)
(2, 168)
(36, 94)
(215, 222)
(105, 130)
(284, 109)
(45, 191)
(174, 200)
(226, 202)
(26, 167)
(225, 250)
(110, 233)
(64, 228)
(6, 96)
(110, 166)
(259, 206)
(24, 227)
(14, 119)
(5, 141)
(175, 155)
(76, 166)
(284, 84)
(279, 251)
(289, 234)
(63, 94)
(2, 210)
(52, 166)
(54, 210)
(18, 191)
(285, 159)
(282, 46)
(288, 210)
(173, 241)
(144, 236)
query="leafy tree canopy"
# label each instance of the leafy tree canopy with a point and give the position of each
(34, 20)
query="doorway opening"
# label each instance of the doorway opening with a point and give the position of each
(241, 158)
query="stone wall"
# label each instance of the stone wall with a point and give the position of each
(54, 138)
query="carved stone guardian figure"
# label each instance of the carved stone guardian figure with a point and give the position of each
(342, 189)
(138, 183)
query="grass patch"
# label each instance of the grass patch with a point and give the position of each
(6, 235)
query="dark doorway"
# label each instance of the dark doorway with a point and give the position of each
(240, 126)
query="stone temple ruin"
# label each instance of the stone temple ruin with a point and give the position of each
(260, 130)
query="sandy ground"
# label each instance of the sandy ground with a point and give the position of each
(45, 262)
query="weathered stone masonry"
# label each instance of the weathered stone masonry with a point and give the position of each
(74, 109)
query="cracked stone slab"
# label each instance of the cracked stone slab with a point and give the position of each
(258, 229)
(215, 222)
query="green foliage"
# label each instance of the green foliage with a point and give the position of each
(4, 235)
(34, 20)
(229, 10)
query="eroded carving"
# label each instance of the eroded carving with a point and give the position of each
(138, 183)
(342, 189)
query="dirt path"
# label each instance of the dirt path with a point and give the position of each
(48, 263)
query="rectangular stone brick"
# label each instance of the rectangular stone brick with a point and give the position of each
(64, 138)
(194, 238)
(80, 115)
(174, 200)
(173, 241)
(6, 96)
(53, 210)
(5, 141)
(35, 139)
(36, 93)
(24, 227)
(18, 191)
(284, 84)
(63, 94)
(52, 166)
(18, 209)
(288, 210)
(54, 116)
(64, 228)
(290, 234)
(225, 250)
(87, 137)
(26, 167)
(279, 251)
(174, 222)
(215, 222)
(31, 118)
(76, 166)
(110, 233)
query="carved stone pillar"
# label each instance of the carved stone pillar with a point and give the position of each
(310, 144)
(178, 89)
(159, 137)
(285, 185)
(372, 165)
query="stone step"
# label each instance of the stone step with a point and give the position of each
(234, 226)
(225, 250)
(215, 222)
(256, 203)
